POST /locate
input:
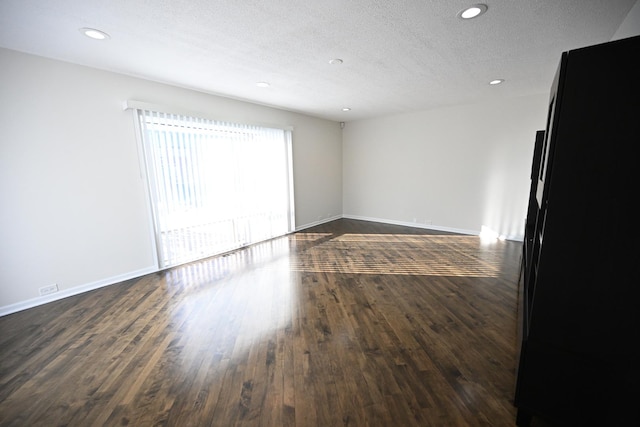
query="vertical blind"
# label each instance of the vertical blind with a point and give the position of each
(215, 186)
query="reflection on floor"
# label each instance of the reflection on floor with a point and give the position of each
(350, 323)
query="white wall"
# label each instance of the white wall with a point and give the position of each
(630, 27)
(458, 168)
(72, 203)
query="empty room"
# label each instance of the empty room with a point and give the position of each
(338, 213)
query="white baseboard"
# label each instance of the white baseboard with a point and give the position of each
(426, 226)
(34, 302)
(413, 224)
(322, 221)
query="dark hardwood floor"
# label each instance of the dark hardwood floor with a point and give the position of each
(350, 323)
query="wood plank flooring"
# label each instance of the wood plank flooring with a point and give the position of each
(350, 323)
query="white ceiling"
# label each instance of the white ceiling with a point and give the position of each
(399, 55)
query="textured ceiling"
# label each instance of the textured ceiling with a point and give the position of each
(399, 55)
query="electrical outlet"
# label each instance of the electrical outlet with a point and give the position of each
(46, 290)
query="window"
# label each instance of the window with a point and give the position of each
(214, 186)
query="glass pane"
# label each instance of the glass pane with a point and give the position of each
(215, 186)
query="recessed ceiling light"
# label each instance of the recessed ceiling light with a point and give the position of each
(496, 81)
(263, 84)
(95, 34)
(346, 109)
(473, 11)
(335, 61)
